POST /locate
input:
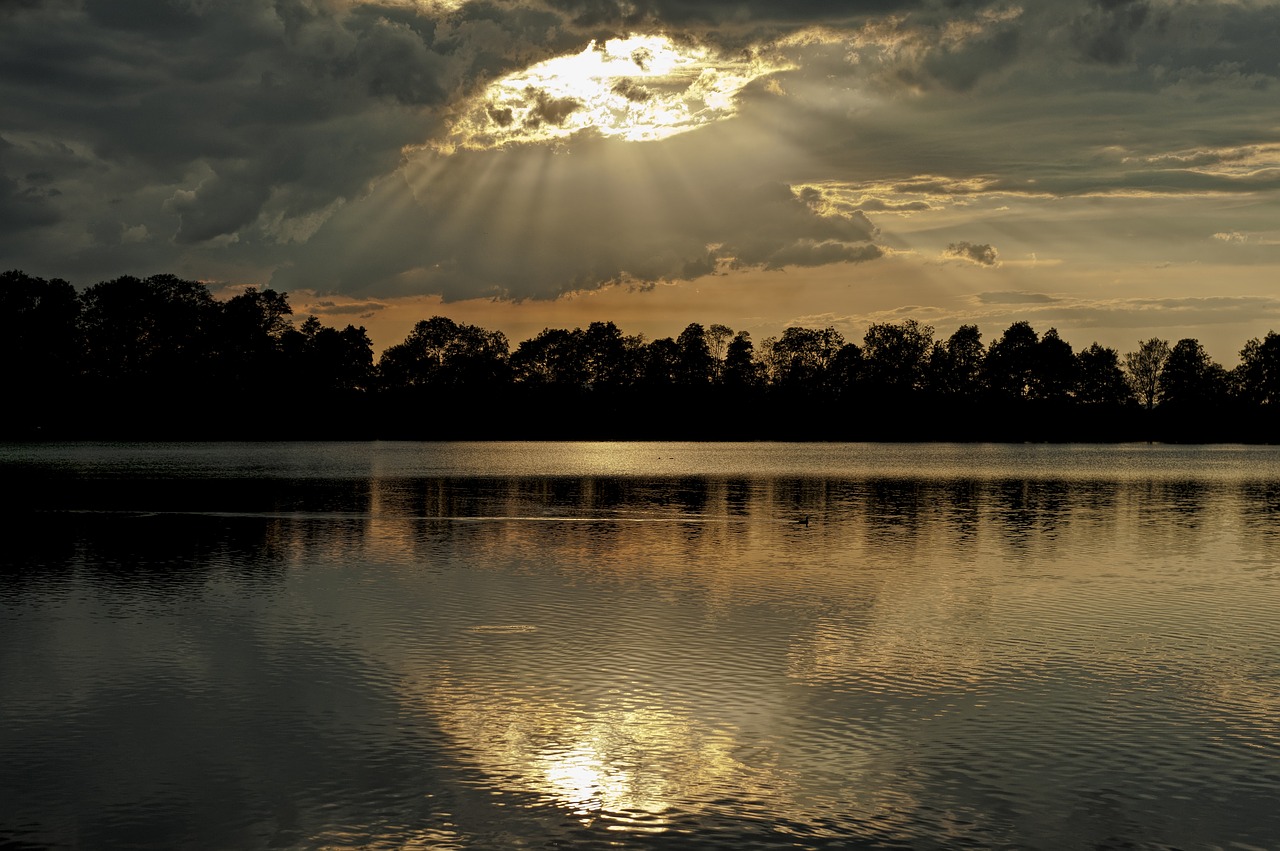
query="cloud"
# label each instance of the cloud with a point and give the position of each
(1106, 31)
(528, 222)
(24, 208)
(245, 109)
(1236, 237)
(1014, 298)
(879, 205)
(1120, 313)
(252, 138)
(807, 252)
(329, 307)
(981, 253)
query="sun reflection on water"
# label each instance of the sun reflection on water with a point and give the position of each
(633, 769)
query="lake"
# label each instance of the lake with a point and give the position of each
(640, 645)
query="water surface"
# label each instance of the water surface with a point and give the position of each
(640, 645)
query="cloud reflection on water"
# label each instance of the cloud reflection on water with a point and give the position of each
(989, 659)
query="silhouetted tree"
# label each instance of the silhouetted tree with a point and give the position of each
(442, 353)
(661, 363)
(801, 357)
(847, 369)
(895, 356)
(1099, 378)
(695, 365)
(1011, 362)
(610, 358)
(1054, 370)
(1143, 369)
(1258, 375)
(246, 339)
(1189, 377)
(161, 357)
(955, 366)
(150, 356)
(326, 361)
(40, 350)
(740, 367)
(148, 332)
(554, 357)
(718, 337)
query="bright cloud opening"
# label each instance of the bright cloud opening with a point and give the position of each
(640, 88)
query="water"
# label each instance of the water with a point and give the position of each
(640, 645)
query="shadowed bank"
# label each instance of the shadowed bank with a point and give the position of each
(160, 358)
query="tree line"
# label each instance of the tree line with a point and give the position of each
(160, 358)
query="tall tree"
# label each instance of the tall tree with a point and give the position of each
(1099, 378)
(40, 349)
(847, 369)
(957, 369)
(1143, 369)
(895, 356)
(718, 337)
(740, 367)
(1189, 377)
(608, 356)
(153, 331)
(325, 361)
(696, 365)
(1054, 373)
(554, 357)
(1258, 375)
(247, 337)
(1011, 362)
(661, 363)
(442, 353)
(802, 357)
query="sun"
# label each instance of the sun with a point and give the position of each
(639, 88)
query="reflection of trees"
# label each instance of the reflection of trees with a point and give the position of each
(172, 533)
(1260, 524)
(634, 652)
(893, 511)
(1032, 511)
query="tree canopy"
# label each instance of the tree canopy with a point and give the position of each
(160, 356)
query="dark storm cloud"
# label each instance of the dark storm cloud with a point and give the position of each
(158, 18)
(233, 138)
(241, 109)
(21, 208)
(1106, 31)
(735, 15)
(983, 254)
(26, 204)
(621, 13)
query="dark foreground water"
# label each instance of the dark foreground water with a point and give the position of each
(747, 646)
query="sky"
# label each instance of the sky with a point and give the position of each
(1110, 168)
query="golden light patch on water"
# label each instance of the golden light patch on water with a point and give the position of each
(633, 765)
(638, 88)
